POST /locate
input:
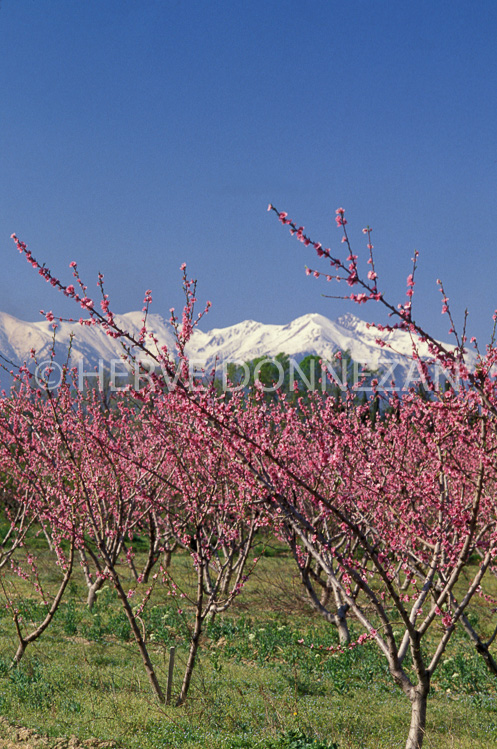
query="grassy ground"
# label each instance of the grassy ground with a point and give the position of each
(254, 686)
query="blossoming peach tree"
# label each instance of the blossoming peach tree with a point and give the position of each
(439, 462)
(383, 515)
(142, 466)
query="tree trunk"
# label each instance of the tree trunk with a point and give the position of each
(341, 617)
(154, 682)
(419, 699)
(20, 652)
(24, 641)
(93, 585)
(343, 630)
(93, 589)
(195, 638)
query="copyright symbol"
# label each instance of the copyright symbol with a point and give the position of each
(48, 374)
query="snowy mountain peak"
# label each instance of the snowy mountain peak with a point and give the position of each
(309, 334)
(351, 322)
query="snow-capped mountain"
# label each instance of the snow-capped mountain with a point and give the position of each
(309, 334)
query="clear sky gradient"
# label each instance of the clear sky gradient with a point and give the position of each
(138, 134)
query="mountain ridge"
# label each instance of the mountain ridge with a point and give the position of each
(309, 334)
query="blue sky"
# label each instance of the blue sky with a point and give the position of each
(138, 134)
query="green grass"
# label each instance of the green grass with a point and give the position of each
(255, 686)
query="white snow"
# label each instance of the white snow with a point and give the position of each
(309, 334)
